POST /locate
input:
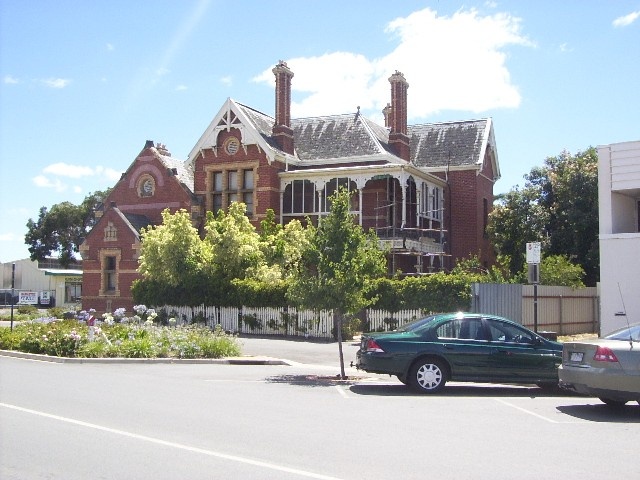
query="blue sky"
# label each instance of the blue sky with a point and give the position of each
(83, 84)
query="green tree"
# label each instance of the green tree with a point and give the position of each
(172, 253)
(283, 246)
(558, 270)
(471, 266)
(558, 207)
(568, 186)
(235, 245)
(63, 228)
(517, 219)
(338, 268)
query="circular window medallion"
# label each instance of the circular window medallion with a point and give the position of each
(231, 145)
(147, 187)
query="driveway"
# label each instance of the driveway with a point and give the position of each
(300, 351)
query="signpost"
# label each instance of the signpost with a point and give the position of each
(533, 262)
(13, 285)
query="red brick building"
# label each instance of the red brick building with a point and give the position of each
(426, 189)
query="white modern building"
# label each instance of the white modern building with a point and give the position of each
(619, 205)
(43, 283)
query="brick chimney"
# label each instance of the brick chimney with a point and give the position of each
(398, 139)
(282, 130)
(386, 111)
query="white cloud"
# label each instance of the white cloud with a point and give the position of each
(66, 170)
(461, 66)
(110, 47)
(56, 82)
(626, 20)
(10, 80)
(228, 80)
(565, 48)
(108, 173)
(7, 237)
(46, 182)
(62, 169)
(181, 88)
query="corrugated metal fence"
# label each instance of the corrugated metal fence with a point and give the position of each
(564, 310)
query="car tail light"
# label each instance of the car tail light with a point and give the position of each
(605, 354)
(372, 346)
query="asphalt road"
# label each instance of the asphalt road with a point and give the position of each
(211, 421)
(300, 350)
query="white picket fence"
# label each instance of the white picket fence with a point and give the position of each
(383, 320)
(259, 321)
(282, 321)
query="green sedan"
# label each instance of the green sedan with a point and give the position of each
(463, 347)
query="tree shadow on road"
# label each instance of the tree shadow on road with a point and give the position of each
(313, 380)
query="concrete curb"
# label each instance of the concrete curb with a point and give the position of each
(214, 361)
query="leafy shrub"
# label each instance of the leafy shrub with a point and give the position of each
(27, 310)
(70, 338)
(58, 312)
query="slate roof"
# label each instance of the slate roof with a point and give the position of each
(262, 122)
(450, 143)
(137, 221)
(335, 136)
(351, 136)
(184, 173)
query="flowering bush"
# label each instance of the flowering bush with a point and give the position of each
(118, 336)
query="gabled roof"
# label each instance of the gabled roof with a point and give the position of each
(136, 221)
(338, 136)
(352, 138)
(255, 128)
(452, 144)
(184, 174)
(133, 221)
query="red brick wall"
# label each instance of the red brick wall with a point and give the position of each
(168, 192)
(266, 180)
(96, 247)
(464, 212)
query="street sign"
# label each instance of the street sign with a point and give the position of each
(28, 298)
(533, 252)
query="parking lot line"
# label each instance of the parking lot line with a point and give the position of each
(202, 451)
(534, 414)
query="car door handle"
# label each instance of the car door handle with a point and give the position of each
(504, 352)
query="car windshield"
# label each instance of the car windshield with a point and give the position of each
(415, 325)
(626, 334)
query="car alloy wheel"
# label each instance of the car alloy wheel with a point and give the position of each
(428, 376)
